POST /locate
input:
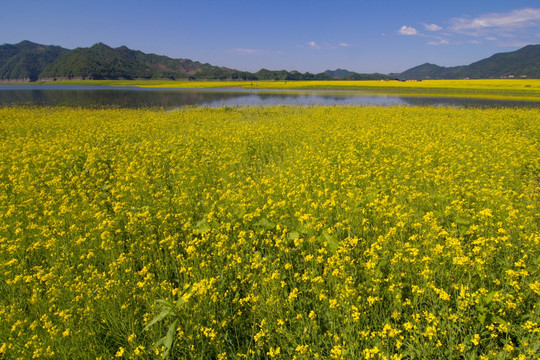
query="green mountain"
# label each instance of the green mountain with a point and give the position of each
(375, 76)
(342, 74)
(524, 63)
(265, 74)
(27, 60)
(430, 71)
(103, 62)
(339, 73)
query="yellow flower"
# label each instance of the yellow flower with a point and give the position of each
(302, 349)
(138, 350)
(509, 347)
(336, 352)
(535, 287)
(120, 352)
(273, 352)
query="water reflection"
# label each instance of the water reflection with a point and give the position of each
(98, 96)
(110, 98)
(468, 102)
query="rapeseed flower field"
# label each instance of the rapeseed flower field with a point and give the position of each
(270, 232)
(530, 87)
(517, 89)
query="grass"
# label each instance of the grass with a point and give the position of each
(270, 232)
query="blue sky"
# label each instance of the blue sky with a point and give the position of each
(316, 35)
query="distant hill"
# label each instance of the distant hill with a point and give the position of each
(103, 62)
(27, 61)
(430, 71)
(350, 75)
(524, 62)
(375, 76)
(339, 73)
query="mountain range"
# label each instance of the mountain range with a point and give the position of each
(522, 63)
(28, 61)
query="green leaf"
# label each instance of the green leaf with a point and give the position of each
(302, 229)
(240, 213)
(482, 318)
(180, 302)
(489, 297)
(158, 343)
(202, 226)
(294, 235)
(166, 304)
(500, 320)
(332, 241)
(169, 339)
(265, 223)
(187, 293)
(159, 317)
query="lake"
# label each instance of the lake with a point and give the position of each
(136, 97)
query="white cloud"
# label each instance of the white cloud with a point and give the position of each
(247, 51)
(516, 19)
(432, 27)
(519, 26)
(314, 45)
(439, 42)
(254, 51)
(345, 44)
(408, 30)
(327, 46)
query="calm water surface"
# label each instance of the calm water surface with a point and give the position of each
(134, 97)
